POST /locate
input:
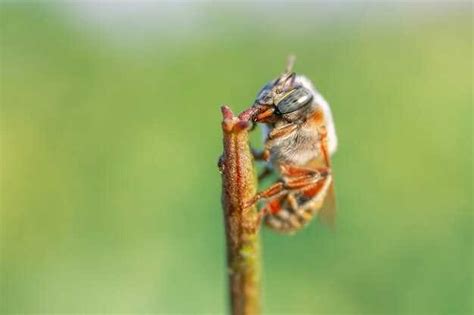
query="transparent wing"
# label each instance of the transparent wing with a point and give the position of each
(327, 214)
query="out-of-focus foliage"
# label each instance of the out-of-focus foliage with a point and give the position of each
(110, 195)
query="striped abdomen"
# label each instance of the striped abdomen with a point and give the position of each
(290, 212)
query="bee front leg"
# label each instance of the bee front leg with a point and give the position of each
(281, 131)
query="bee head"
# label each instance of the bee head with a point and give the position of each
(282, 96)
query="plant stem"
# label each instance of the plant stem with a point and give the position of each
(241, 227)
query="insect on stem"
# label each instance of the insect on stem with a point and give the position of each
(299, 143)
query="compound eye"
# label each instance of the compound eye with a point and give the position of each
(294, 100)
(265, 94)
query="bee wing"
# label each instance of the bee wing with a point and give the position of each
(327, 214)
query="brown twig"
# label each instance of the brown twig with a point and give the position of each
(241, 225)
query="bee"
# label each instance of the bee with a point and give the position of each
(300, 138)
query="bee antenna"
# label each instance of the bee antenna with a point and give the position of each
(290, 63)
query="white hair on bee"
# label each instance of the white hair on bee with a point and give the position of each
(320, 101)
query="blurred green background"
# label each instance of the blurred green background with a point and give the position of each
(110, 133)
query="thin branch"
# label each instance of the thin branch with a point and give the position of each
(243, 244)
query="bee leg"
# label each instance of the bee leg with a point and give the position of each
(282, 131)
(271, 207)
(316, 190)
(261, 214)
(274, 135)
(314, 186)
(271, 191)
(297, 215)
(317, 193)
(301, 178)
(292, 202)
(293, 216)
(311, 183)
(288, 170)
(304, 181)
(296, 177)
(301, 182)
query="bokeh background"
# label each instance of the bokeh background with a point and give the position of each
(110, 133)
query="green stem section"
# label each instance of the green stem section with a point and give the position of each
(241, 227)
